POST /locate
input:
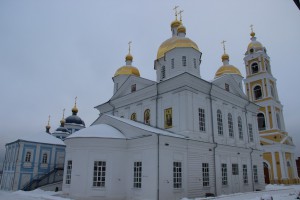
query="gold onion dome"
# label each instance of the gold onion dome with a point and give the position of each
(227, 69)
(175, 42)
(181, 29)
(75, 109)
(254, 44)
(128, 57)
(225, 56)
(175, 23)
(127, 70)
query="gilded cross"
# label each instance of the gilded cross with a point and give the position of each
(223, 42)
(180, 13)
(251, 26)
(75, 101)
(129, 46)
(49, 120)
(175, 9)
(63, 114)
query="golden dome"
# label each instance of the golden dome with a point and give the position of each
(181, 29)
(227, 69)
(175, 23)
(225, 56)
(62, 121)
(252, 34)
(175, 42)
(128, 57)
(127, 70)
(255, 45)
(75, 109)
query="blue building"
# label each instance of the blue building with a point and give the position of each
(31, 158)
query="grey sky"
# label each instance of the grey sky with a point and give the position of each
(53, 51)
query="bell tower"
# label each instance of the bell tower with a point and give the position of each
(260, 86)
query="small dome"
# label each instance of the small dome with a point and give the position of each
(128, 57)
(227, 69)
(127, 70)
(181, 29)
(175, 23)
(254, 45)
(225, 56)
(74, 119)
(75, 110)
(175, 42)
(62, 129)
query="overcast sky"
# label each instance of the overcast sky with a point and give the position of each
(52, 51)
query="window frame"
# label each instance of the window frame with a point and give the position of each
(201, 115)
(177, 175)
(137, 174)
(220, 122)
(28, 156)
(224, 174)
(147, 116)
(250, 129)
(69, 172)
(205, 174)
(235, 168)
(240, 128)
(184, 61)
(230, 125)
(99, 174)
(245, 174)
(163, 72)
(45, 158)
(255, 174)
(254, 66)
(257, 92)
(261, 120)
(168, 118)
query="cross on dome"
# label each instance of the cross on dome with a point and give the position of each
(129, 46)
(223, 42)
(180, 14)
(252, 31)
(176, 13)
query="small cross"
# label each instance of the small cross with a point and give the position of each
(251, 26)
(180, 13)
(223, 42)
(75, 101)
(49, 120)
(129, 46)
(63, 114)
(175, 8)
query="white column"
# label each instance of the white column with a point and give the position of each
(282, 166)
(274, 166)
(294, 166)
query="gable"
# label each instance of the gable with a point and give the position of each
(132, 84)
(229, 83)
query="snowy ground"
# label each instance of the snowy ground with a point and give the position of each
(278, 192)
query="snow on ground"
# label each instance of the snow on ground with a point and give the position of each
(278, 192)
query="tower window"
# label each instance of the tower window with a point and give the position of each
(28, 156)
(230, 125)
(250, 132)
(147, 117)
(227, 87)
(220, 122)
(278, 121)
(240, 127)
(45, 158)
(163, 72)
(133, 88)
(172, 63)
(184, 61)
(261, 122)
(201, 113)
(254, 68)
(133, 116)
(195, 63)
(257, 92)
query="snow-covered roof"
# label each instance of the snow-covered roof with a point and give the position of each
(41, 137)
(146, 127)
(99, 131)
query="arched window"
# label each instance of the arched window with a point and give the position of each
(45, 158)
(254, 68)
(28, 156)
(240, 127)
(163, 72)
(257, 92)
(278, 121)
(147, 116)
(261, 122)
(230, 125)
(220, 122)
(133, 116)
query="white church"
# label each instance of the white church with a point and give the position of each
(178, 136)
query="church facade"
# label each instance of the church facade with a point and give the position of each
(279, 149)
(178, 136)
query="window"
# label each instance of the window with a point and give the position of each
(227, 87)
(99, 173)
(147, 117)
(177, 175)
(184, 61)
(195, 63)
(245, 174)
(133, 116)
(168, 118)
(172, 63)
(224, 174)
(255, 176)
(230, 125)
(278, 121)
(220, 122)
(240, 127)
(201, 113)
(272, 91)
(250, 132)
(28, 156)
(45, 158)
(133, 88)
(251, 50)
(235, 169)
(261, 122)
(69, 172)
(257, 92)
(137, 175)
(254, 68)
(163, 72)
(205, 174)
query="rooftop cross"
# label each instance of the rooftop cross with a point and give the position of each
(63, 114)
(129, 46)
(251, 26)
(180, 13)
(49, 120)
(175, 9)
(223, 42)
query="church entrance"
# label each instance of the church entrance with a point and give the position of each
(235, 178)
(266, 173)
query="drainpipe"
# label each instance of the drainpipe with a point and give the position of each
(247, 131)
(213, 137)
(158, 157)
